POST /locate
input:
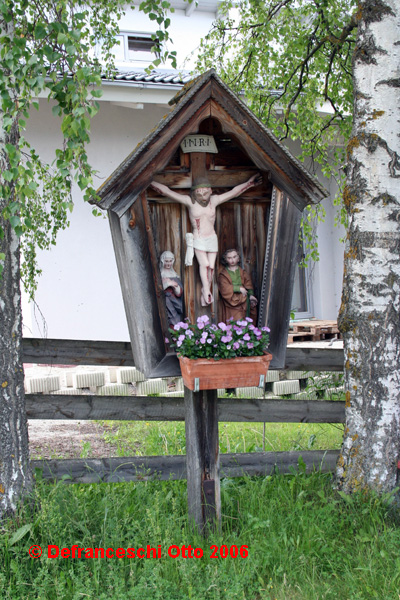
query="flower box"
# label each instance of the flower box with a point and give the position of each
(209, 374)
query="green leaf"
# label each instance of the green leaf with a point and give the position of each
(62, 38)
(40, 31)
(20, 533)
(15, 221)
(8, 175)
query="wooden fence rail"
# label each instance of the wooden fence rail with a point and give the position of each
(148, 408)
(163, 408)
(83, 352)
(143, 468)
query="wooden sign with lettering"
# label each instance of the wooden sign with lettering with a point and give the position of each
(199, 143)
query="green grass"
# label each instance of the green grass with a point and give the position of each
(158, 438)
(305, 542)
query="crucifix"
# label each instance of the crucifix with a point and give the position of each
(203, 241)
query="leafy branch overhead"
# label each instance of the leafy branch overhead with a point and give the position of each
(292, 61)
(53, 50)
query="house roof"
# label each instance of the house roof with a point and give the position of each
(140, 76)
(284, 168)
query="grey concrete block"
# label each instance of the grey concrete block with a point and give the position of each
(37, 385)
(114, 389)
(151, 386)
(284, 388)
(129, 375)
(87, 379)
(250, 392)
(297, 374)
(272, 376)
(68, 392)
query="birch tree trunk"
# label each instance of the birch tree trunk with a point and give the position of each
(370, 312)
(15, 473)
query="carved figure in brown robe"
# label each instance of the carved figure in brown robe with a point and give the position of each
(173, 288)
(203, 241)
(236, 289)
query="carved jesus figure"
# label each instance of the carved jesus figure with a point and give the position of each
(203, 241)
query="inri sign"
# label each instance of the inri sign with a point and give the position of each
(199, 143)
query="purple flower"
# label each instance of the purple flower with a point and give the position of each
(166, 340)
(249, 320)
(209, 341)
(178, 343)
(229, 347)
(251, 327)
(250, 345)
(238, 330)
(257, 332)
(203, 341)
(179, 325)
(204, 319)
(189, 333)
(181, 338)
(226, 339)
(246, 337)
(242, 323)
(236, 345)
(200, 324)
(222, 326)
(267, 329)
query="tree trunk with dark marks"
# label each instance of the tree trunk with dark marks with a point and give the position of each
(15, 473)
(370, 312)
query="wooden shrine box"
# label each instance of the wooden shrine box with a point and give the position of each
(211, 132)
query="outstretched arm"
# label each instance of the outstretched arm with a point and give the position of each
(168, 193)
(238, 189)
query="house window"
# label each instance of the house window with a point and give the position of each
(301, 299)
(134, 47)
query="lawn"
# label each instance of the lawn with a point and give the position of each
(154, 438)
(283, 537)
(287, 537)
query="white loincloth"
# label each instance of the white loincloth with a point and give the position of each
(207, 244)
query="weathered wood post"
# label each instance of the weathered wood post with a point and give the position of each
(202, 459)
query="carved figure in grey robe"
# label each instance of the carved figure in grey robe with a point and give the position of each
(203, 241)
(173, 288)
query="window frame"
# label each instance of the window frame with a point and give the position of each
(139, 56)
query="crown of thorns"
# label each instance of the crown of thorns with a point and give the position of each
(200, 183)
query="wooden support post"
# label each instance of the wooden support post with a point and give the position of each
(202, 459)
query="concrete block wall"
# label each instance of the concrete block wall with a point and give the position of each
(128, 381)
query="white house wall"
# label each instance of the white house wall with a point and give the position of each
(79, 288)
(185, 31)
(79, 295)
(325, 276)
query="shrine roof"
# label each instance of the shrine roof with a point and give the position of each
(110, 194)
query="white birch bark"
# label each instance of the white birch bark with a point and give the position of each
(370, 313)
(15, 473)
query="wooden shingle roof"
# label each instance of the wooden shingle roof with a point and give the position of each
(207, 95)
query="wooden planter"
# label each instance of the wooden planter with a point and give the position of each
(209, 374)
